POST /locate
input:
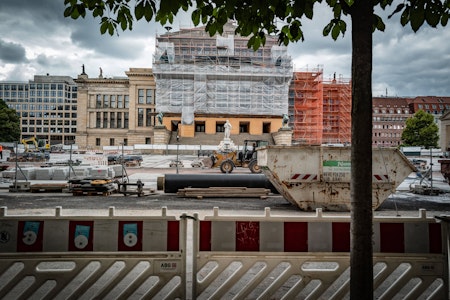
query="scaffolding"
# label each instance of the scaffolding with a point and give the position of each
(196, 73)
(337, 102)
(306, 93)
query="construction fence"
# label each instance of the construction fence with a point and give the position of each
(257, 256)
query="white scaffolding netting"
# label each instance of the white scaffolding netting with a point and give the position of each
(221, 84)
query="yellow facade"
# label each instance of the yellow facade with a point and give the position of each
(252, 126)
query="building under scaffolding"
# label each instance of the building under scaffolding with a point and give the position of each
(199, 75)
(319, 111)
(337, 104)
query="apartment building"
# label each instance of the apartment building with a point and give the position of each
(389, 120)
(116, 111)
(203, 81)
(47, 106)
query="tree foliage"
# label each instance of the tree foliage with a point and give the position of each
(254, 18)
(420, 130)
(9, 124)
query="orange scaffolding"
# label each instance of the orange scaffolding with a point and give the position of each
(337, 101)
(320, 110)
(306, 106)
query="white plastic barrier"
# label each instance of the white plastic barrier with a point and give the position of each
(230, 257)
(109, 257)
(289, 257)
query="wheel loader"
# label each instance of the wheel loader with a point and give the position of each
(229, 160)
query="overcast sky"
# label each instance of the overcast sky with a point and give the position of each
(36, 39)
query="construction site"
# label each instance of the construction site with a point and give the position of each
(320, 110)
(202, 81)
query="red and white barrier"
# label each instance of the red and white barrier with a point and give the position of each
(95, 234)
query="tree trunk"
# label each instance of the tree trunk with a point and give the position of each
(361, 258)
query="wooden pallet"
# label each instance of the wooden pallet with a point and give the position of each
(92, 193)
(224, 192)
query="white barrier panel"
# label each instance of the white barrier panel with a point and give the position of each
(118, 256)
(287, 257)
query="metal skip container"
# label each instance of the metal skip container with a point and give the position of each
(313, 177)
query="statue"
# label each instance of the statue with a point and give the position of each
(101, 73)
(285, 121)
(82, 70)
(160, 116)
(227, 126)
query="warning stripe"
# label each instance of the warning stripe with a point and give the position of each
(381, 177)
(62, 235)
(304, 177)
(316, 237)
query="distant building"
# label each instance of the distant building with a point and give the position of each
(389, 117)
(47, 107)
(116, 111)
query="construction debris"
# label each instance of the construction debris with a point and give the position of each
(92, 186)
(225, 192)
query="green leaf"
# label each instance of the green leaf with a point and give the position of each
(417, 17)
(111, 28)
(139, 11)
(103, 27)
(327, 29)
(196, 17)
(404, 19)
(68, 12)
(335, 32)
(75, 14)
(444, 20)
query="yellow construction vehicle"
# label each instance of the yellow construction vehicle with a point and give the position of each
(38, 145)
(35, 150)
(246, 158)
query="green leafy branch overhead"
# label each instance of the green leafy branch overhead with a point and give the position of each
(254, 18)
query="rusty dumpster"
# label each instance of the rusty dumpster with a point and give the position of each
(313, 177)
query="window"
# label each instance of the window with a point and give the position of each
(105, 120)
(125, 120)
(125, 142)
(127, 101)
(113, 101)
(111, 141)
(98, 120)
(98, 103)
(220, 126)
(148, 140)
(149, 97)
(266, 127)
(119, 120)
(97, 142)
(140, 117)
(200, 126)
(244, 127)
(112, 121)
(141, 96)
(105, 101)
(120, 101)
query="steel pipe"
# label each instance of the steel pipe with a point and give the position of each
(171, 183)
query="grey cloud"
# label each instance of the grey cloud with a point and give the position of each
(12, 52)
